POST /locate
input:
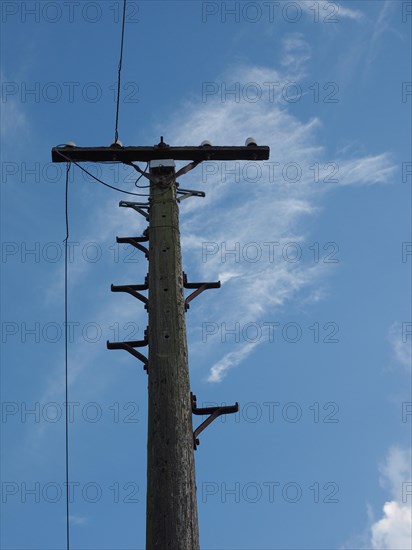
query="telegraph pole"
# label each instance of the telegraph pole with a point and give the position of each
(171, 515)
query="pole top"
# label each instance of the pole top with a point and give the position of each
(118, 153)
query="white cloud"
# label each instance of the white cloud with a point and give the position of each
(295, 52)
(77, 520)
(393, 531)
(366, 170)
(249, 202)
(231, 359)
(381, 27)
(396, 471)
(401, 344)
(331, 10)
(345, 12)
(239, 210)
(14, 122)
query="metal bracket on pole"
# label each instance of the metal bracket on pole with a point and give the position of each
(130, 347)
(133, 290)
(200, 287)
(138, 206)
(135, 241)
(186, 193)
(214, 412)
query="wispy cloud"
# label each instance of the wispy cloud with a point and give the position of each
(238, 210)
(400, 339)
(77, 520)
(395, 471)
(252, 202)
(296, 51)
(231, 359)
(382, 26)
(393, 530)
(14, 121)
(366, 170)
(332, 9)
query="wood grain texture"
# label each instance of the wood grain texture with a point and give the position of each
(172, 520)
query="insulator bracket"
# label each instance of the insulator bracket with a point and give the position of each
(214, 413)
(138, 206)
(130, 347)
(200, 287)
(186, 193)
(135, 241)
(133, 290)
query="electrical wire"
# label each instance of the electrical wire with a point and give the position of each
(116, 134)
(141, 175)
(66, 353)
(101, 181)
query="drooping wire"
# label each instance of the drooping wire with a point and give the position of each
(101, 181)
(116, 134)
(66, 353)
(141, 175)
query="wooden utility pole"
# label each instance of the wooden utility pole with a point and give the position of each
(171, 517)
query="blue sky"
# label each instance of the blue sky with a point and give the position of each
(311, 330)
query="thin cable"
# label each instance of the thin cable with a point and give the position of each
(66, 355)
(141, 175)
(116, 135)
(100, 181)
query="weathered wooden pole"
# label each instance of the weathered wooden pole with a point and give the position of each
(171, 516)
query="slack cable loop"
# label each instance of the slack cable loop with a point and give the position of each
(100, 181)
(139, 178)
